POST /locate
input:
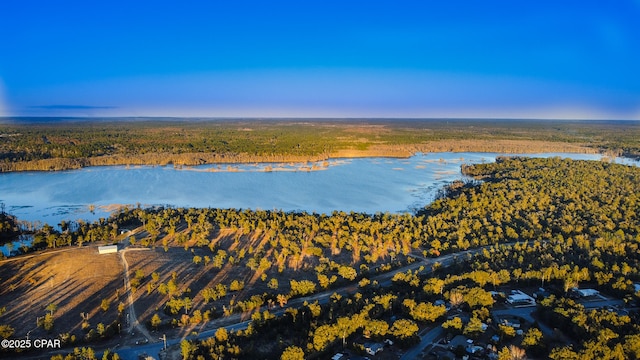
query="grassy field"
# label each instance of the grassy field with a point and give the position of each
(56, 144)
(75, 279)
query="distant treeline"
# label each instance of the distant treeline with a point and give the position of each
(44, 146)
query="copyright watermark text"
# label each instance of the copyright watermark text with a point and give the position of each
(23, 344)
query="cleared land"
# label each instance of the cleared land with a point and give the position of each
(75, 279)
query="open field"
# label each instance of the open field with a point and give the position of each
(75, 279)
(57, 144)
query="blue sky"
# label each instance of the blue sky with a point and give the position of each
(513, 59)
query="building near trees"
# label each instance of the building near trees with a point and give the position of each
(110, 249)
(373, 348)
(585, 292)
(517, 297)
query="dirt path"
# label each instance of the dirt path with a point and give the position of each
(133, 318)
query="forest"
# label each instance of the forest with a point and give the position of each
(45, 144)
(549, 222)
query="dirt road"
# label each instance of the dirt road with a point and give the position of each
(132, 317)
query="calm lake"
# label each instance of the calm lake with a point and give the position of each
(363, 185)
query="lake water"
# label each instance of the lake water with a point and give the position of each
(363, 185)
(14, 247)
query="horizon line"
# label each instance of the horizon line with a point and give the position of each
(311, 118)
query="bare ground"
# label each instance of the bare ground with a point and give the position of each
(76, 280)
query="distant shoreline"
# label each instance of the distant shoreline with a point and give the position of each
(377, 151)
(53, 144)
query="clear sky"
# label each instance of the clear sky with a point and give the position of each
(526, 59)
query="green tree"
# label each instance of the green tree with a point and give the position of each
(427, 312)
(632, 346)
(236, 285)
(454, 323)
(292, 353)
(187, 349)
(375, 328)
(456, 298)
(315, 309)
(139, 274)
(187, 304)
(302, 287)
(480, 277)
(108, 355)
(404, 329)
(104, 305)
(532, 337)
(512, 353)
(47, 323)
(51, 308)
(434, 286)
(222, 335)
(6, 331)
(196, 317)
(323, 280)
(85, 353)
(478, 297)
(323, 336)
(474, 327)
(155, 321)
(172, 287)
(273, 284)
(100, 329)
(507, 331)
(282, 299)
(347, 272)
